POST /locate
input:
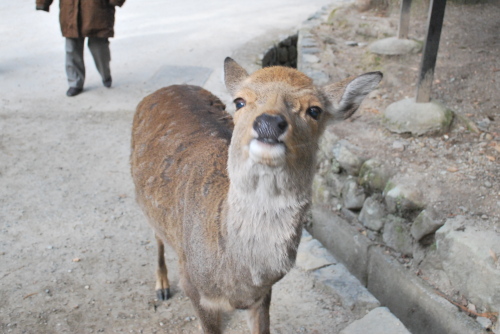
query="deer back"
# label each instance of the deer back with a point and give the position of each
(180, 142)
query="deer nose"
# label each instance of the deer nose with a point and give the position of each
(270, 127)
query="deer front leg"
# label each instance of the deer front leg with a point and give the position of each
(258, 316)
(162, 286)
(209, 318)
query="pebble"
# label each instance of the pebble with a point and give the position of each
(485, 217)
(488, 184)
(484, 322)
(398, 146)
(50, 247)
(87, 287)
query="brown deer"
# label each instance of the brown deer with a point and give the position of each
(231, 198)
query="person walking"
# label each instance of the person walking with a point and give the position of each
(80, 19)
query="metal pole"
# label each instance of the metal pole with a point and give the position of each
(434, 25)
(404, 19)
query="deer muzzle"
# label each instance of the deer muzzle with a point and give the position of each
(268, 147)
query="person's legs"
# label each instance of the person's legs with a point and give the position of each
(99, 47)
(75, 66)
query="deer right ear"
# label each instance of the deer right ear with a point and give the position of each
(347, 95)
(234, 74)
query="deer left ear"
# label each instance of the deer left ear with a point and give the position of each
(234, 74)
(346, 96)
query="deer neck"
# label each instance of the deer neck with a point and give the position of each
(266, 209)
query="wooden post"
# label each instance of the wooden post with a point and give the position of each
(434, 25)
(404, 19)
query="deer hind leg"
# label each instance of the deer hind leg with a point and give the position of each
(162, 285)
(258, 316)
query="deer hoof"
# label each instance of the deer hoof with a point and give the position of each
(163, 294)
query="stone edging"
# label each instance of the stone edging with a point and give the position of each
(408, 297)
(333, 277)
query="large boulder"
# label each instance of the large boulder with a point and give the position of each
(408, 116)
(470, 259)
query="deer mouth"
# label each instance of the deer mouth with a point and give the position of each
(267, 151)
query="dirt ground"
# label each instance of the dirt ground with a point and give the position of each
(458, 171)
(77, 255)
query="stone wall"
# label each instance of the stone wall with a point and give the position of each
(284, 53)
(381, 228)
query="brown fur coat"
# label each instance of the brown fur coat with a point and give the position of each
(85, 18)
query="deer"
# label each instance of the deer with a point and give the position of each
(230, 192)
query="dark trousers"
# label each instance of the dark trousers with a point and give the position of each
(75, 66)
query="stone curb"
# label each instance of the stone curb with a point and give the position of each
(414, 303)
(334, 278)
(410, 299)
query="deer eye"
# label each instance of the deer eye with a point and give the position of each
(314, 112)
(239, 103)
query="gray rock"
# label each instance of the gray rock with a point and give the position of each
(373, 176)
(483, 124)
(425, 224)
(484, 322)
(353, 195)
(353, 295)
(470, 258)
(311, 254)
(378, 321)
(399, 145)
(333, 276)
(335, 183)
(396, 234)
(395, 46)
(310, 58)
(326, 143)
(348, 160)
(373, 212)
(402, 199)
(407, 116)
(319, 77)
(321, 193)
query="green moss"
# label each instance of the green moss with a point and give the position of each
(372, 61)
(389, 186)
(331, 17)
(448, 118)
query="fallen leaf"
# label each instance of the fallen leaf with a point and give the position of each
(494, 256)
(452, 169)
(490, 158)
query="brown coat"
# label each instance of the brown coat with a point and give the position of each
(85, 18)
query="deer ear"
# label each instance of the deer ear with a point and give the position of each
(234, 74)
(347, 95)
